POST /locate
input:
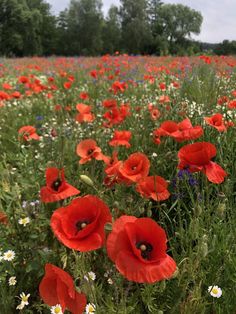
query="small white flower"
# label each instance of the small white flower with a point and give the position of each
(12, 281)
(110, 281)
(24, 221)
(91, 276)
(9, 255)
(56, 309)
(90, 308)
(215, 291)
(154, 154)
(24, 298)
(20, 306)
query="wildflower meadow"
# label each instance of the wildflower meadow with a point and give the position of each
(118, 185)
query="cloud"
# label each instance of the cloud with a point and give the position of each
(219, 21)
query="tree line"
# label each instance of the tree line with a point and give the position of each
(28, 28)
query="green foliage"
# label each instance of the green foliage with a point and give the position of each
(199, 220)
(28, 28)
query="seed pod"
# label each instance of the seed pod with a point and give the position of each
(85, 179)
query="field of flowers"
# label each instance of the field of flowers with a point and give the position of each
(118, 185)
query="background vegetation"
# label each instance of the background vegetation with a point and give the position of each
(28, 28)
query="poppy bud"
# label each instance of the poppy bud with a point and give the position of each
(221, 209)
(204, 249)
(85, 179)
(198, 210)
(108, 227)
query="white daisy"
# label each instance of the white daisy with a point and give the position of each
(56, 309)
(9, 255)
(215, 291)
(12, 281)
(90, 308)
(24, 298)
(20, 306)
(24, 221)
(91, 276)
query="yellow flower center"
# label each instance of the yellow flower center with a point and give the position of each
(57, 310)
(91, 309)
(214, 290)
(25, 298)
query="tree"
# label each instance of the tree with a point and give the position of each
(85, 20)
(112, 31)
(177, 23)
(25, 27)
(136, 33)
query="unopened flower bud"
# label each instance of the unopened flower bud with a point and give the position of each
(221, 209)
(85, 179)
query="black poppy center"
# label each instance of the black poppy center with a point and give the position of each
(145, 248)
(56, 184)
(90, 151)
(80, 225)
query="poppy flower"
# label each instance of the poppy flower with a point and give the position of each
(217, 122)
(28, 132)
(155, 114)
(187, 131)
(154, 187)
(139, 255)
(84, 96)
(135, 167)
(3, 218)
(232, 104)
(181, 131)
(57, 287)
(121, 138)
(112, 170)
(119, 87)
(197, 157)
(56, 188)
(87, 150)
(85, 114)
(80, 225)
(67, 85)
(109, 103)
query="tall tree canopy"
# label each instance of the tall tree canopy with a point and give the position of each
(136, 32)
(27, 27)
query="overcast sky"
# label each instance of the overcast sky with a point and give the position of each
(219, 16)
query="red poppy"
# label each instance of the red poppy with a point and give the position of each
(112, 170)
(109, 103)
(28, 132)
(84, 96)
(154, 187)
(164, 99)
(121, 138)
(232, 104)
(80, 225)
(187, 131)
(113, 116)
(135, 167)
(155, 114)
(67, 85)
(137, 253)
(197, 157)
(85, 114)
(56, 188)
(57, 287)
(87, 150)
(3, 218)
(217, 122)
(119, 87)
(181, 131)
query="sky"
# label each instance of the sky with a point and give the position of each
(219, 20)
